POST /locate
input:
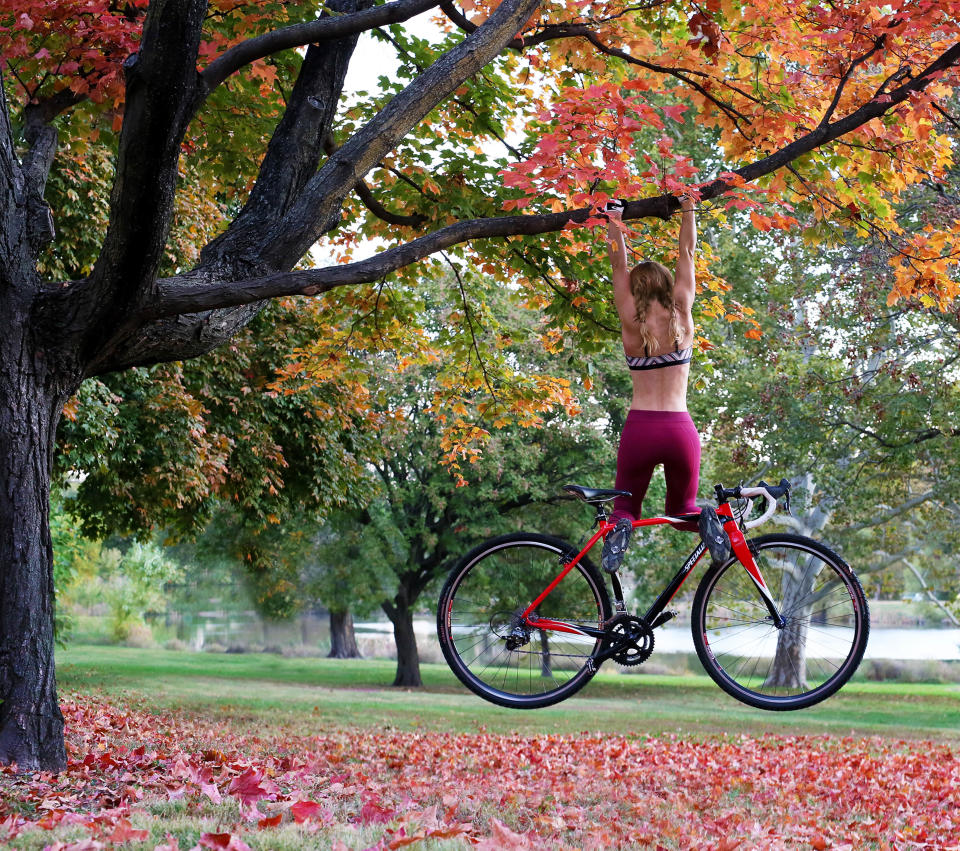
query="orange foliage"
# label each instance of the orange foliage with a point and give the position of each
(762, 75)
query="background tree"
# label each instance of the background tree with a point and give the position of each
(340, 576)
(394, 546)
(858, 409)
(784, 83)
(423, 522)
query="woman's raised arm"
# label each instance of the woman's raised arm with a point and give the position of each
(617, 250)
(685, 278)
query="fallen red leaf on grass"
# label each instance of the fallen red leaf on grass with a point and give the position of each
(304, 810)
(223, 840)
(123, 831)
(372, 813)
(247, 787)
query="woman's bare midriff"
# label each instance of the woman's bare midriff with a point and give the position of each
(663, 389)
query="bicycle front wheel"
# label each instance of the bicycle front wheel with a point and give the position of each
(480, 629)
(813, 654)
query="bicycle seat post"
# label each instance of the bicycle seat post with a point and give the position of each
(601, 516)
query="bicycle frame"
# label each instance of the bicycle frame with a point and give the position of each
(739, 547)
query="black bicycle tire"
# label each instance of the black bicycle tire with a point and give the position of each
(444, 631)
(804, 699)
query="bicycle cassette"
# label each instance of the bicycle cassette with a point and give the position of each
(631, 637)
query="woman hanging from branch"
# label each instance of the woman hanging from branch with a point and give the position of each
(656, 323)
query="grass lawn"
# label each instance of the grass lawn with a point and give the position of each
(308, 695)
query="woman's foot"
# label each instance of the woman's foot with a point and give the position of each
(615, 545)
(713, 536)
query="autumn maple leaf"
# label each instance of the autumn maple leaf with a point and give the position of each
(247, 787)
(227, 841)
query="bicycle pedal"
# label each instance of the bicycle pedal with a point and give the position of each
(662, 618)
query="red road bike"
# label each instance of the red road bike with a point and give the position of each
(525, 620)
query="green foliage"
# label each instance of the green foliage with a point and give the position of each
(72, 557)
(129, 577)
(853, 400)
(343, 568)
(158, 447)
(134, 583)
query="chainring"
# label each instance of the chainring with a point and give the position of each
(633, 638)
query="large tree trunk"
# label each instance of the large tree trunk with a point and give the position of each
(31, 725)
(343, 640)
(408, 659)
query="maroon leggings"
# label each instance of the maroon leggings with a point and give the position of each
(658, 437)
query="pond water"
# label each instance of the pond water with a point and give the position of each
(884, 643)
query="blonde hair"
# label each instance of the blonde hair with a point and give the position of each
(651, 281)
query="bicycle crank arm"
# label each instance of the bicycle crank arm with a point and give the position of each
(629, 641)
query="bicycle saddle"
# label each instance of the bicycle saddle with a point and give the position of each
(595, 495)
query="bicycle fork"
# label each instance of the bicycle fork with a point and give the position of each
(741, 549)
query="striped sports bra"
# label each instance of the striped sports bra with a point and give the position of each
(674, 358)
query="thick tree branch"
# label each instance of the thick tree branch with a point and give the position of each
(412, 220)
(893, 513)
(295, 148)
(48, 108)
(882, 560)
(310, 32)
(825, 134)
(182, 295)
(305, 222)
(161, 82)
(200, 291)
(12, 236)
(920, 437)
(42, 140)
(930, 592)
(366, 196)
(187, 293)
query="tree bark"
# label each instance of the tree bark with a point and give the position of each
(36, 379)
(296, 146)
(343, 640)
(31, 725)
(789, 668)
(408, 659)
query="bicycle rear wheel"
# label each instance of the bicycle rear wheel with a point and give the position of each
(812, 655)
(478, 621)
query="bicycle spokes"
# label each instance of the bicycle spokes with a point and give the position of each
(814, 648)
(512, 659)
